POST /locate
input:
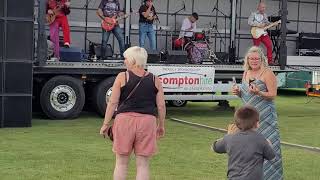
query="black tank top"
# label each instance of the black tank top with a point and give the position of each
(143, 99)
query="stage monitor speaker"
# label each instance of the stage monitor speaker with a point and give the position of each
(177, 57)
(19, 40)
(20, 8)
(17, 111)
(153, 56)
(18, 78)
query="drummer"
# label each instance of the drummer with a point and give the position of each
(188, 27)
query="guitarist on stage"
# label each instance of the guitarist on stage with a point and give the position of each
(110, 8)
(59, 9)
(260, 19)
(147, 16)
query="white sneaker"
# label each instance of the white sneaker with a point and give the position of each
(67, 45)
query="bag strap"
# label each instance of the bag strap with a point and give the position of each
(133, 90)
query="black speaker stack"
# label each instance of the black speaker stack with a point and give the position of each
(16, 57)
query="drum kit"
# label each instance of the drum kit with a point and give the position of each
(200, 48)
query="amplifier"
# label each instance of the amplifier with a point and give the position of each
(308, 41)
(72, 54)
(95, 50)
(308, 52)
(177, 57)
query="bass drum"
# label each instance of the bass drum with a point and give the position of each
(197, 51)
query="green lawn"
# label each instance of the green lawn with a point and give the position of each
(73, 149)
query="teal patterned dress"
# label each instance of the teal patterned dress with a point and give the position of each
(268, 127)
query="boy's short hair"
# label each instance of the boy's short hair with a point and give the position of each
(195, 15)
(246, 117)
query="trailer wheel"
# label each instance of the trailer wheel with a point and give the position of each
(62, 97)
(101, 94)
(177, 103)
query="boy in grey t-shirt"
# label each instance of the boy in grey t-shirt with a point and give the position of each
(246, 148)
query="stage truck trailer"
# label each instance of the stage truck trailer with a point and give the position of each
(63, 88)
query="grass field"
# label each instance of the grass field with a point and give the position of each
(74, 150)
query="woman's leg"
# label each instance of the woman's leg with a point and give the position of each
(121, 168)
(142, 163)
(54, 38)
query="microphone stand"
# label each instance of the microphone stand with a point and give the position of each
(175, 17)
(86, 27)
(225, 26)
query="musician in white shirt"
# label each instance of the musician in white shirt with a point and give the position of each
(188, 26)
(260, 19)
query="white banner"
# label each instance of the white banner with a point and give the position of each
(185, 79)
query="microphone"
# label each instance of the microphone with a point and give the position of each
(184, 6)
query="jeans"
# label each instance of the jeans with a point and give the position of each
(105, 37)
(146, 29)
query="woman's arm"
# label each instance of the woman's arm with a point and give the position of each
(100, 14)
(147, 13)
(271, 83)
(114, 99)
(161, 106)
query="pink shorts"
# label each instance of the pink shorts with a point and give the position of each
(135, 131)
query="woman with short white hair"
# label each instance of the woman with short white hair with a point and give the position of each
(259, 89)
(138, 97)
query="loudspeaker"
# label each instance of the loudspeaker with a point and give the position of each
(153, 56)
(1, 77)
(20, 9)
(1, 39)
(177, 57)
(18, 78)
(1, 8)
(16, 55)
(17, 111)
(19, 40)
(1, 113)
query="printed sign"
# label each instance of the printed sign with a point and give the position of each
(185, 79)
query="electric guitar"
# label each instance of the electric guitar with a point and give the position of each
(108, 23)
(257, 32)
(51, 17)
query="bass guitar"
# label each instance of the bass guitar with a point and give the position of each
(108, 23)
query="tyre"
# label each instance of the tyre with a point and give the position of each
(101, 94)
(62, 97)
(177, 103)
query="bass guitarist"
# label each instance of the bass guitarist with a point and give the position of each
(110, 8)
(260, 19)
(57, 11)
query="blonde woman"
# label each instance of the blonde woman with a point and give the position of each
(135, 128)
(258, 89)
